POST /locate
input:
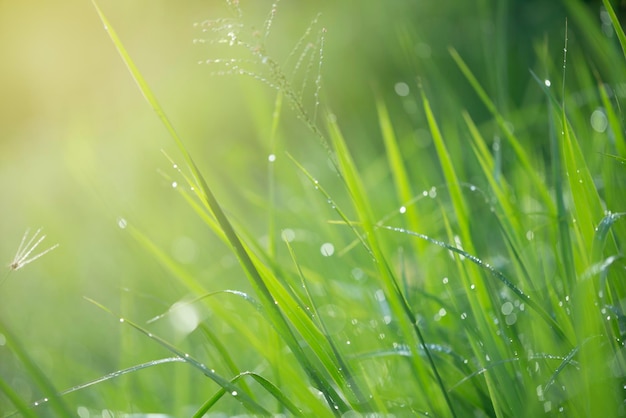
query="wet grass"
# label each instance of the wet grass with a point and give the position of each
(481, 274)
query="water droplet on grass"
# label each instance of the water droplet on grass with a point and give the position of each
(547, 83)
(327, 249)
(445, 280)
(402, 209)
(174, 185)
(122, 223)
(288, 234)
(234, 393)
(402, 89)
(358, 274)
(511, 319)
(271, 158)
(599, 121)
(506, 308)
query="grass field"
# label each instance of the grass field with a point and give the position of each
(351, 209)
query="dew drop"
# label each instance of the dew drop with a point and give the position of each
(599, 121)
(121, 319)
(402, 209)
(327, 249)
(506, 308)
(271, 158)
(402, 89)
(547, 83)
(358, 273)
(445, 280)
(234, 393)
(174, 185)
(122, 223)
(288, 234)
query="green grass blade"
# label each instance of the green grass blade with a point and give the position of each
(242, 397)
(395, 161)
(392, 289)
(521, 154)
(46, 386)
(449, 173)
(617, 26)
(265, 384)
(273, 311)
(22, 407)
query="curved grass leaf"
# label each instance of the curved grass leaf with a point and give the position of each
(242, 397)
(265, 384)
(109, 376)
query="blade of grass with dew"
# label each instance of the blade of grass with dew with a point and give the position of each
(521, 154)
(236, 391)
(614, 120)
(271, 222)
(484, 341)
(396, 164)
(346, 369)
(586, 201)
(392, 289)
(328, 198)
(562, 214)
(459, 205)
(251, 335)
(497, 274)
(617, 26)
(273, 311)
(507, 216)
(265, 384)
(38, 376)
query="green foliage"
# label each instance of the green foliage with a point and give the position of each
(495, 291)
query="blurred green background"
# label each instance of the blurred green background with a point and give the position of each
(80, 148)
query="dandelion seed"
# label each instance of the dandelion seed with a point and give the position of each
(25, 249)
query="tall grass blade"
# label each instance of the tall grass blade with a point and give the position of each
(617, 26)
(520, 153)
(273, 311)
(393, 292)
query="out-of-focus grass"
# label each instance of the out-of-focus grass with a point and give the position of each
(81, 152)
